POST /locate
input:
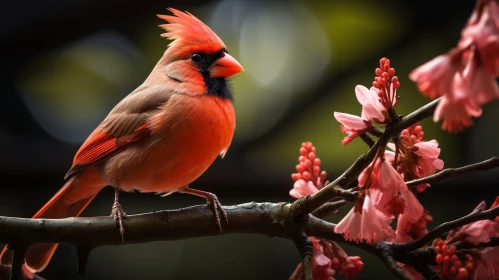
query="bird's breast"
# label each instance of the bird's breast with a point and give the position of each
(187, 135)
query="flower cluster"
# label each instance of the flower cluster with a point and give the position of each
(417, 158)
(483, 264)
(465, 76)
(384, 194)
(328, 257)
(309, 178)
(376, 103)
(449, 264)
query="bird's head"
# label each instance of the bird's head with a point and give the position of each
(196, 46)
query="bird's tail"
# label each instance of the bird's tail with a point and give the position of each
(69, 201)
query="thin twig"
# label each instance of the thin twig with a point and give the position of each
(387, 256)
(17, 262)
(450, 172)
(461, 245)
(305, 247)
(82, 254)
(329, 208)
(445, 227)
(368, 140)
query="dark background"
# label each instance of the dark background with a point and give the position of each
(65, 64)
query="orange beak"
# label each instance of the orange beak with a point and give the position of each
(225, 67)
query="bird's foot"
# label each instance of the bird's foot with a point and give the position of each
(215, 205)
(118, 215)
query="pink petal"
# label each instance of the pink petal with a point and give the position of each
(456, 115)
(375, 224)
(350, 226)
(391, 146)
(302, 188)
(438, 164)
(414, 209)
(389, 156)
(389, 179)
(364, 96)
(434, 77)
(428, 149)
(370, 112)
(350, 121)
(322, 260)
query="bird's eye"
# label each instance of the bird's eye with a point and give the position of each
(197, 57)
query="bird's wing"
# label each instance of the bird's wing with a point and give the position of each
(126, 123)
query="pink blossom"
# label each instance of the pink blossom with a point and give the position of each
(389, 179)
(372, 109)
(382, 176)
(352, 125)
(321, 264)
(385, 84)
(475, 85)
(351, 267)
(403, 230)
(488, 266)
(329, 258)
(480, 231)
(428, 162)
(465, 89)
(381, 199)
(414, 209)
(434, 78)
(471, 88)
(302, 188)
(407, 231)
(370, 224)
(483, 30)
(308, 169)
(351, 122)
(456, 115)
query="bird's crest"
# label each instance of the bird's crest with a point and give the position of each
(187, 31)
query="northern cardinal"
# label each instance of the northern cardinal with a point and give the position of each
(159, 138)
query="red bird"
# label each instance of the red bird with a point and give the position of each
(159, 138)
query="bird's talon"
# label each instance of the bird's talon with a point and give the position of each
(118, 215)
(215, 205)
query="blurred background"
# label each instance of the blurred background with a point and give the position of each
(65, 64)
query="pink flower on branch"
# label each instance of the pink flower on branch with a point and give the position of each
(479, 231)
(386, 84)
(328, 257)
(309, 177)
(465, 76)
(372, 109)
(352, 125)
(483, 30)
(376, 103)
(482, 264)
(365, 223)
(416, 158)
(488, 264)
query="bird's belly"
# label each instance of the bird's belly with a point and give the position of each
(171, 157)
(159, 168)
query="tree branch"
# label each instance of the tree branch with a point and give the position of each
(270, 219)
(450, 172)
(445, 227)
(494, 241)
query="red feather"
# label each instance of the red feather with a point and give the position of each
(99, 145)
